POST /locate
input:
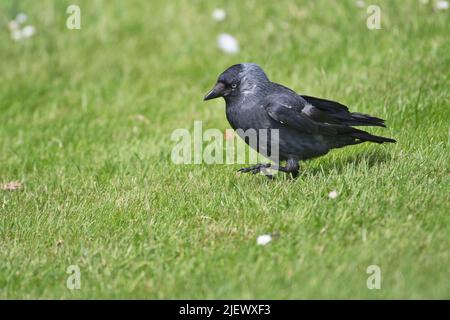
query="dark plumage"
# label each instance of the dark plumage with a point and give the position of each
(308, 127)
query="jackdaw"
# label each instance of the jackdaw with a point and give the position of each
(308, 127)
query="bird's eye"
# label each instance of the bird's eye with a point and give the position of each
(234, 86)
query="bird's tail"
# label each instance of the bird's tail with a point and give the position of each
(365, 136)
(359, 119)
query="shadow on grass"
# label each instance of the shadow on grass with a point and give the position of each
(368, 159)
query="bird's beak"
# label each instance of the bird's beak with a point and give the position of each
(216, 92)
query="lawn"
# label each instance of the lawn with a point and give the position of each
(86, 118)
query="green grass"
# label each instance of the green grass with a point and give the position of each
(85, 124)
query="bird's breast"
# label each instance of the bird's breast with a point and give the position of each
(246, 117)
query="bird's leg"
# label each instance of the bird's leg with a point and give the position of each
(256, 168)
(291, 167)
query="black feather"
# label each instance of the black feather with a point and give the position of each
(365, 136)
(340, 113)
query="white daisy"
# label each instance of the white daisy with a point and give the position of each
(28, 31)
(21, 18)
(13, 25)
(442, 5)
(227, 43)
(219, 15)
(333, 194)
(360, 3)
(264, 239)
(17, 35)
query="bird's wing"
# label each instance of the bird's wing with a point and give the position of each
(299, 114)
(341, 115)
(327, 105)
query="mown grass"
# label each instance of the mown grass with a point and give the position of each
(85, 124)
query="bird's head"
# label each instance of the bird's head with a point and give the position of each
(238, 80)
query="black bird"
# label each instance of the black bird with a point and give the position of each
(308, 127)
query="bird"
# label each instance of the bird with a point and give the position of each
(307, 127)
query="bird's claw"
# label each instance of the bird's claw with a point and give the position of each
(254, 169)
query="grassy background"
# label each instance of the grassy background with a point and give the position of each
(85, 124)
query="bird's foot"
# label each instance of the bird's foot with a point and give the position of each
(292, 168)
(255, 169)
